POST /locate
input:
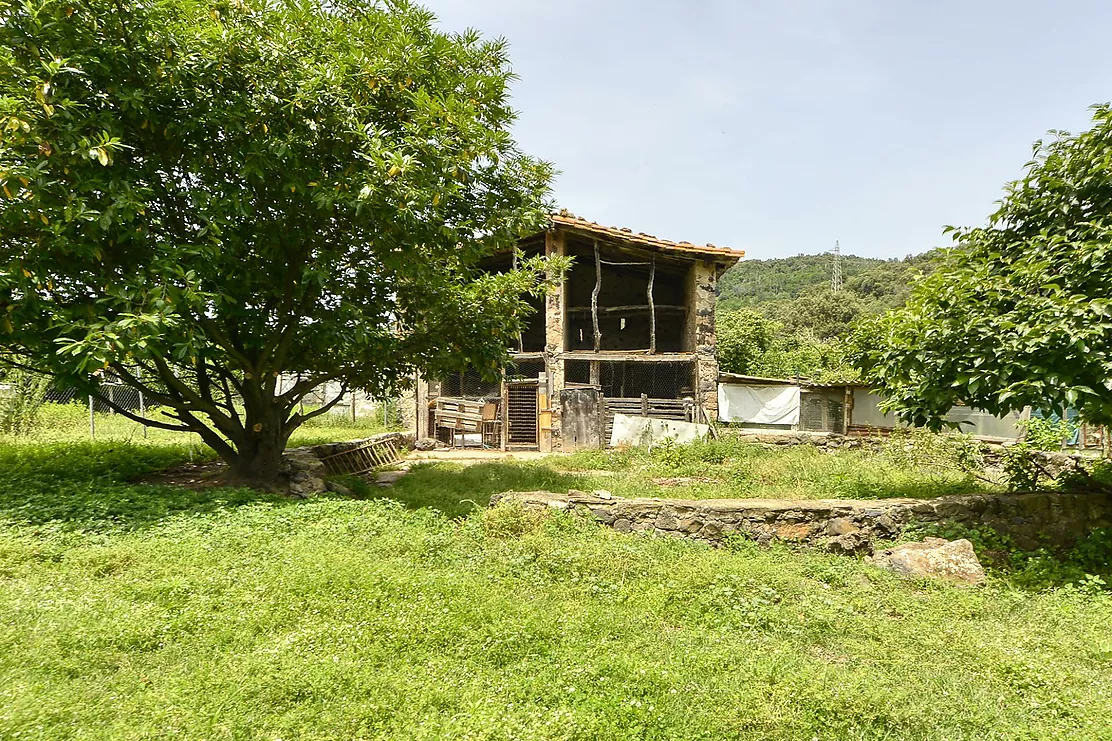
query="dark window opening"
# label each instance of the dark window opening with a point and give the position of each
(530, 369)
(533, 338)
(577, 371)
(624, 312)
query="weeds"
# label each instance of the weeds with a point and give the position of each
(1086, 566)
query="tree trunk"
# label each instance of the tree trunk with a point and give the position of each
(257, 460)
(259, 463)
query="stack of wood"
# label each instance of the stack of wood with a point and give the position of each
(467, 416)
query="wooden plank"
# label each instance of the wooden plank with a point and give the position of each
(627, 309)
(641, 356)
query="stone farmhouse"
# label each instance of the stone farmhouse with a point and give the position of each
(629, 331)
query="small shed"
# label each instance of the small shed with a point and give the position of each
(783, 403)
(756, 402)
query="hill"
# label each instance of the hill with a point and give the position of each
(758, 283)
(779, 317)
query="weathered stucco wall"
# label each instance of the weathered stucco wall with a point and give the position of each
(1032, 520)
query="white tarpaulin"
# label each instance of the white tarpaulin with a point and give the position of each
(763, 405)
(629, 430)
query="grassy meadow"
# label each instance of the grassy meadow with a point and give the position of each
(131, 611)
(722, 469)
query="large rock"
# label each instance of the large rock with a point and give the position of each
(305, 472)
(952, 560)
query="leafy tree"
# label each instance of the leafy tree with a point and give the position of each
(202, 197)
(1020, 313)
(752, 344)
(743, 337)
(820, 312)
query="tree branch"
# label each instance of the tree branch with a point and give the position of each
(299, 419)
(136, 418)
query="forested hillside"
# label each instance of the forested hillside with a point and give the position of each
(754, 283)
(780, 317)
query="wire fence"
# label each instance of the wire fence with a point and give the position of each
(351, 410)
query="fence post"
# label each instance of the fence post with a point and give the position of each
(92, 420)
(143, 412)
(353, 408)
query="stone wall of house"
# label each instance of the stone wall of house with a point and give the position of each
(1032, 520)
(702, 292)
(554, 341)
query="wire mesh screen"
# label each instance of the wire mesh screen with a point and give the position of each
(655, 380)
(61, 396)
(820, 412)
(113, 390)
(531, 368)
(470, 384)
(628, 380)
(577, 371)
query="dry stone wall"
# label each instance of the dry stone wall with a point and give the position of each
(840, 525)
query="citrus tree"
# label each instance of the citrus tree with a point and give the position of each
(206, 198)
(1020, 314)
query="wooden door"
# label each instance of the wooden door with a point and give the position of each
(521, 413)
(581, 419)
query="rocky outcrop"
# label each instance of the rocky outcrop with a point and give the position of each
(934, 558)
(840, 525)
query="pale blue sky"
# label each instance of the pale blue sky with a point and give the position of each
(780, 126)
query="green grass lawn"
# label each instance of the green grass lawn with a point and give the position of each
(143, 612)
(726, 469)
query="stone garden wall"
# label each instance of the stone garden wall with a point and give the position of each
(841, 525)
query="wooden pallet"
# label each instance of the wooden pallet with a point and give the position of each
(365, 457)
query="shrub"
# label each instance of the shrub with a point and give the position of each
(919, 448)
(511, 520)
(21, 401)
(1040, 433)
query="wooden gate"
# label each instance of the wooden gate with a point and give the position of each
(521, 413)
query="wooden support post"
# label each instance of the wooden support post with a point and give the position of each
(644, 405)
(652, 308)
(594, 298)
(520, 339)
(596, 373)
(505, 404)
(847, 410)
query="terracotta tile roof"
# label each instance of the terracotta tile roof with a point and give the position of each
(723, 254)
